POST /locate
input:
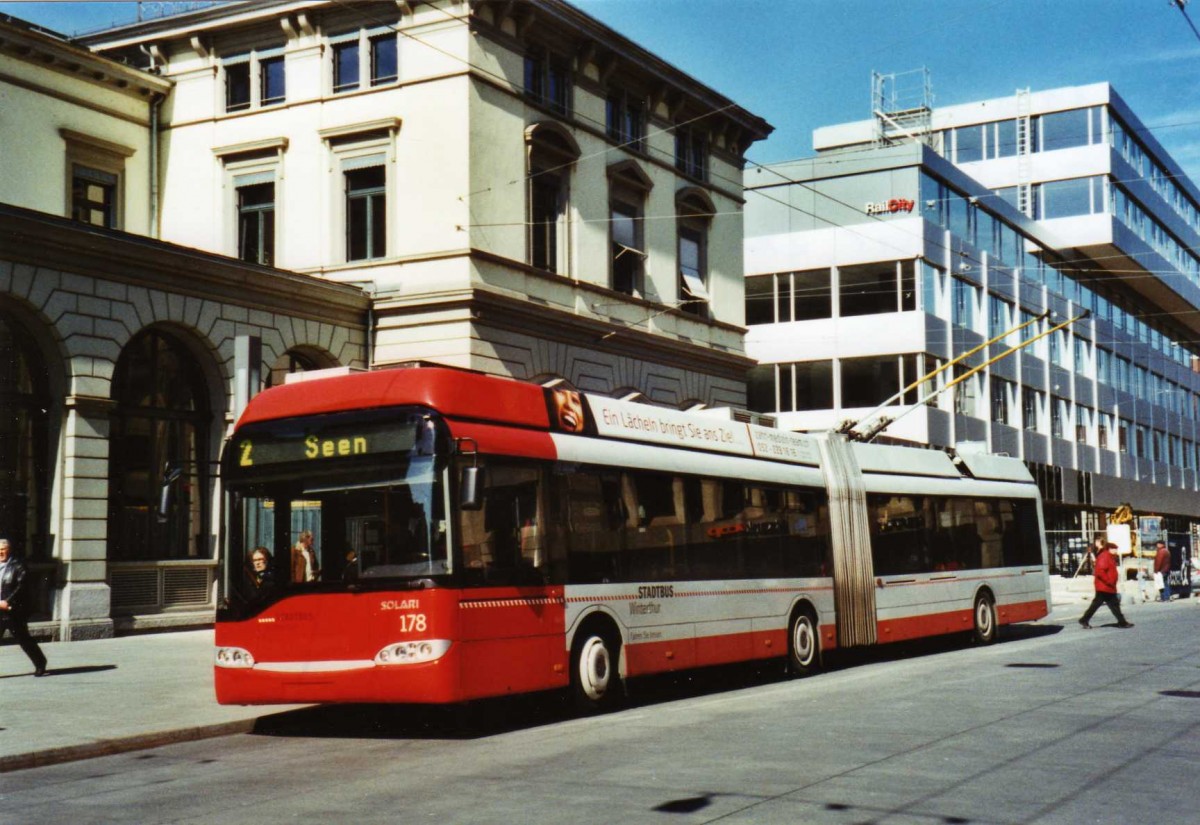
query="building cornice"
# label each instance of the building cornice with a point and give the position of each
(47, 241)
(50, 53)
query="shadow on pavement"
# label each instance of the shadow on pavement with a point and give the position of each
(64, 671)
(490, 717)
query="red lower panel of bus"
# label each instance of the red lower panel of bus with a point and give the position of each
(326, 647)
(954, 621)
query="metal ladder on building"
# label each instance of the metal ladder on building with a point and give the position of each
(1024, 153)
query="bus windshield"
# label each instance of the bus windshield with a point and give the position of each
(341, 522)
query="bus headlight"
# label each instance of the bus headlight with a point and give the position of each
(234, 657)
(412, 653)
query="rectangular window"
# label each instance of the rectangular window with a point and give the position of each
(814, 385)
(1068, 198)
(546, 215)
(868, 289)
(811, 296)
(760, 299)
(1083, 362)
(1083, 424)
(760, 389)
(968, 143)
(366, 213)
(237, 85)
(934, 290)
(548, 81)
(1031, 408)
(868, 382)
(94, 197)
(1060, 416)
(256, 223)
(691, 152)
(966, 393)
(345, 66)
(693, 289)
(1063, 130)
(966, 303)
(1000, 313)
(625, 117)
(384, 64)
(1000, 400)
(1004, 139)
(271, 74)
(627, 254)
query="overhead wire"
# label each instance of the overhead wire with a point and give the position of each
(642, 140)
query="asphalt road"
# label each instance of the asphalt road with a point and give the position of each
(1054, 724)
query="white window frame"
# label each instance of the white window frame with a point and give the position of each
(89, 152)
(365, 39)
(349, 148)
(254, 57)
(243, 164)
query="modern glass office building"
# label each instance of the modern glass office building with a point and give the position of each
(916, 236)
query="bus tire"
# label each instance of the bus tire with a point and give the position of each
(804, 645)
(984, 632)
(595, 679)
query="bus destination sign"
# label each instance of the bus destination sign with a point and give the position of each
(259, 449)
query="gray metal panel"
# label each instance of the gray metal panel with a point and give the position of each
(853, 567)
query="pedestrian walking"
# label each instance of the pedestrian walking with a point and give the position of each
(1162, 568)
(1105, 578)
(14, 606)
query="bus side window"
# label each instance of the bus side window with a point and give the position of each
(655, 549)
(805, 526)
(763, 544)
(596, 514)
(503, 542)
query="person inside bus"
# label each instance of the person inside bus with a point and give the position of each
(305, 567)
(260, 573)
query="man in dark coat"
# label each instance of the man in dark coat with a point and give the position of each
(1105, 578)
(14, 606)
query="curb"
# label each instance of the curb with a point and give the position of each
(125, 744)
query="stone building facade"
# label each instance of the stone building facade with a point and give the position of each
(120, 355)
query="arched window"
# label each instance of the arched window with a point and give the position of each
(551, 153)
(158, 453)
(290, 362)
(24, 474)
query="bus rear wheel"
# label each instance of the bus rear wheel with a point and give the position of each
(985, 620)
(804, 646)
(595, 683)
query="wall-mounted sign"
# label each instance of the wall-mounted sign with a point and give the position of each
(890, 207)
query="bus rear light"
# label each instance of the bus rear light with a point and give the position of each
(412, 653)
(234, 657)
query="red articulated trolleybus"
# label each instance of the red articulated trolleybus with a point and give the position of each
(432, 535)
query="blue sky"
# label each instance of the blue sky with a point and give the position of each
(801, 64)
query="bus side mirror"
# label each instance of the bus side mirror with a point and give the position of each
(471, 492)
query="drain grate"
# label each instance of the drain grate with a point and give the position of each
(1033, 664)
(1181, 694)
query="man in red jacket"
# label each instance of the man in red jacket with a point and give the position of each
(1105, 578)
(1162, 567)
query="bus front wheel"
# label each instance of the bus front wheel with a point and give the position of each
(804, 646)
(594, 679)
(985, 620)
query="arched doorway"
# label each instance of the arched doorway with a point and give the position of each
(24, 441)
(158, 461)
